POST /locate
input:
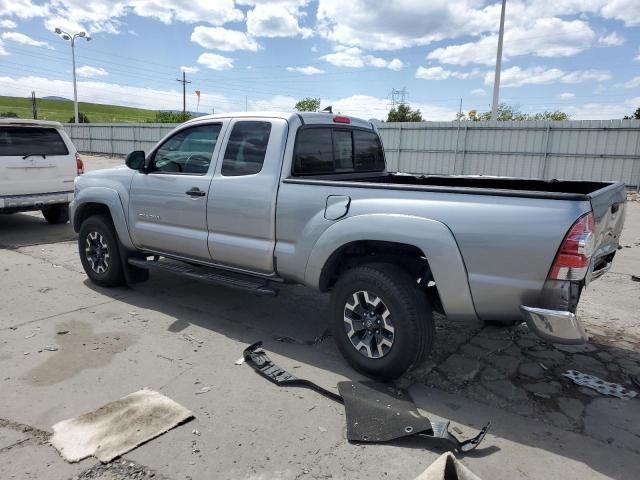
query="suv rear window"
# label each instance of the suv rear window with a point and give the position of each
(322, 150)
(21, 141)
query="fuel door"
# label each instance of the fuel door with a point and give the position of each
(337, 206)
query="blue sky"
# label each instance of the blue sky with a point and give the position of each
(579, 56)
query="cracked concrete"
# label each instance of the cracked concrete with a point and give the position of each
(121, 340)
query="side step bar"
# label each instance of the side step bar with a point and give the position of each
(209, 275)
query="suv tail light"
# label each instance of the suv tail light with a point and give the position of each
(79, 164)
(573, 259)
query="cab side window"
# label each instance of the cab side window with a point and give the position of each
(188, 152)
(246, 148)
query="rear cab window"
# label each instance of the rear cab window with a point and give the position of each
(330, 149)
(21, 141)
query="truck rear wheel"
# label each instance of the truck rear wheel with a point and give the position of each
(99, 254)
(55, 214)
(381, 321)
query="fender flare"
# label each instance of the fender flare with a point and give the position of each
(109, 198)
(433, 238)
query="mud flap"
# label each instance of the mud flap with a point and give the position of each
(374, 412)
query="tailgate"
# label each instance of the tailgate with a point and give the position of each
(608, 206)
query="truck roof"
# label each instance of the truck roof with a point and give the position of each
(26, 122)
(314, 118)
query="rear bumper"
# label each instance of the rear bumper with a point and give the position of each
(21, 203)
(555, 326)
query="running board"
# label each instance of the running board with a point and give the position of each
(209, 275)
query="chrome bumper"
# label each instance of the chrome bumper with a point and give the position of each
(555, 326)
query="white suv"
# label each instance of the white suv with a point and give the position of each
(38, 165)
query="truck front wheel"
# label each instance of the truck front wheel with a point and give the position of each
(99, 254)
(381, 321)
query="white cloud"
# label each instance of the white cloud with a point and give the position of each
(22, 9)
(112, 93)
(189, 69)
(3, 51)
(88, 71)
(276, 19)
(596, 111)
(218, 38)
(371, 24)
(611, 40)
(478, 92)
(637, 58)
(215, 62)
(633, 83)
(23, 39)
(310, 70)
(633, 102)
(104, 15)
(540, 39)
(8, 24)
(279, 103)
(566, 96)
(439, 73)
(366, 106)
(517, 77)
(353, 57)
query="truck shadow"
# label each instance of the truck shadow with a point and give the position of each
(496, 390)
(27, 229)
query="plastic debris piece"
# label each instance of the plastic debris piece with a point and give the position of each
(447, 467)
(203, 390)
(51, 348)
(599, 385)
(240, 361)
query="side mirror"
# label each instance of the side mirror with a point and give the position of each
(135, 160)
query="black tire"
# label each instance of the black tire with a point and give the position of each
(98, 230)
(56, 214)
(409, 311)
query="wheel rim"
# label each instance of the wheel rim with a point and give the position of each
(97, 252)
(368, 324)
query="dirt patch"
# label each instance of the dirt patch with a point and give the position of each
(78, 350)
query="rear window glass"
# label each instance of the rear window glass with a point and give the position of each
(337, 150)
(21, 141)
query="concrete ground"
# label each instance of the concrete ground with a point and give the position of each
(178, 337)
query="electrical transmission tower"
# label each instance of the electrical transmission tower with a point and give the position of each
(398, 96)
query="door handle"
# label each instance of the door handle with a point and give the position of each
(195, 192)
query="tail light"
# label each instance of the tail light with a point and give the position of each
(341, 119)
(79, 164)
(573, 259)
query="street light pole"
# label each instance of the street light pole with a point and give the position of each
(496, 80)
(72, 40)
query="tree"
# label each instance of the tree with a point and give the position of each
(82, 118)
(634, 115)
(512, 112)
(403, 113)
(308, 104)
(170, 117)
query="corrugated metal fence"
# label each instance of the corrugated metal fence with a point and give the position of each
(587, 150)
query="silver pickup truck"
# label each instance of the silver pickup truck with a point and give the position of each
(253, 200)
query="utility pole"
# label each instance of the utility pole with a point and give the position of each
(460, 111)
(184, 82)
(496, 80)
(72, 39)
(34, 106)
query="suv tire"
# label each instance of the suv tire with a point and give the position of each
(99, 251)
(56, 214)
(381, 321)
